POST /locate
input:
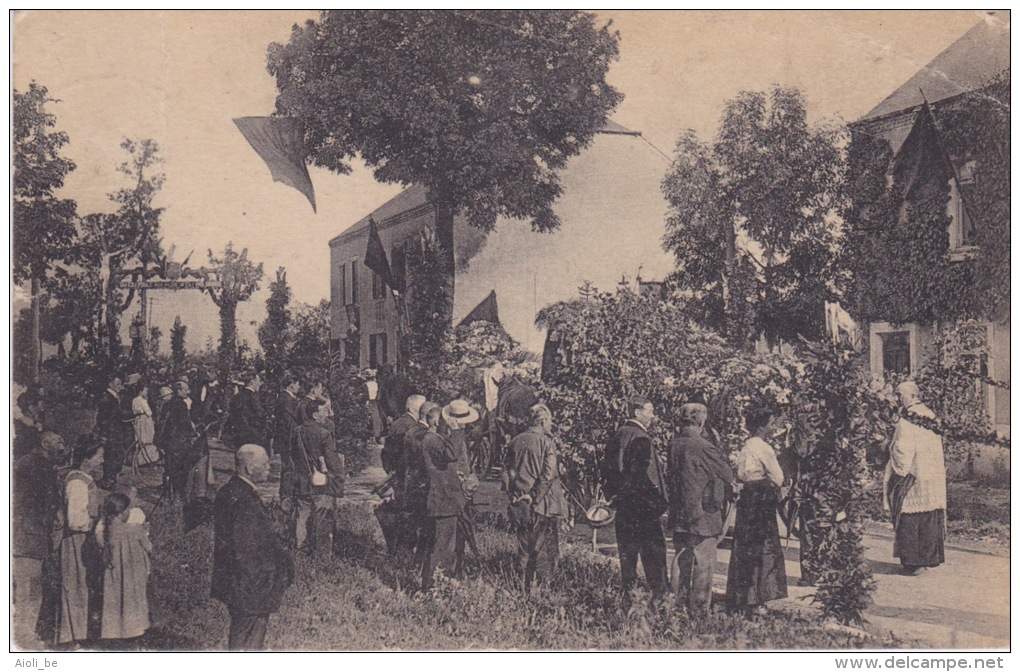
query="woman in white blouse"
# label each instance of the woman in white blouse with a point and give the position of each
(757, 572)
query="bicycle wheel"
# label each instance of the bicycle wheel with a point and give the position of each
(146, 470)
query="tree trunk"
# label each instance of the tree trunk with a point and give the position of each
(112, 324)
(228, 338)
(444, 235)
(36, 353)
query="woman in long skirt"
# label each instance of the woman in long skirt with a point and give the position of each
(757, 573)
(80, 564)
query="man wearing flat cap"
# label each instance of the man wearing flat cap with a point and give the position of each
(537, 502)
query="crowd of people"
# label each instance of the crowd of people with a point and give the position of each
(82, 553)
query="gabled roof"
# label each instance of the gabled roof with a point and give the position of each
(968, 64)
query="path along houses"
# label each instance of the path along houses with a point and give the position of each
(612, 212)
(969, 65)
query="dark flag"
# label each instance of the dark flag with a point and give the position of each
(486, 311)
(280, 143)
(375, 254)
(921, 156)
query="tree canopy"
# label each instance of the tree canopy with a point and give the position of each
(42, 223)
(751, 217)
(480, 107)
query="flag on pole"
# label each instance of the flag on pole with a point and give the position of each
(280, 143)
(486, 311)
(375, 254)
(921, 156)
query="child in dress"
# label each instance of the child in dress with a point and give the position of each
(124, 538)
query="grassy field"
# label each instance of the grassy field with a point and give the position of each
(357, 599)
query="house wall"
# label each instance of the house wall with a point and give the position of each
(612, 213)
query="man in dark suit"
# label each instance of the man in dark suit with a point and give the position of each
(247, 417)
(285, 420)
(638, 493)
(251, 567)
(176, 438)
(114, 430)
(394, 461)
(700, 484)
(444, 501)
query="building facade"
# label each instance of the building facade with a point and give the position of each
(969, 65)
(613, 218)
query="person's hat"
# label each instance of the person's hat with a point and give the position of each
(133, 379)
(460, 412)
(600, 515)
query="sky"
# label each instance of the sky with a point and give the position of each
(180, 77)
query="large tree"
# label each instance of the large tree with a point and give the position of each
(239, 279)
(482, 108)
(42, 223)
(752, 217)
(112, 247)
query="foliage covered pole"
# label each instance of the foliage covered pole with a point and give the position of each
(829, 412)
(178, 353)
(274, 333)
(239, 279)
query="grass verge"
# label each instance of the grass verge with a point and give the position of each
(358, 599)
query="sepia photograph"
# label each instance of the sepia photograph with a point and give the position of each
(510, 330)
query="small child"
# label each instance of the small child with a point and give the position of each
(124, 538)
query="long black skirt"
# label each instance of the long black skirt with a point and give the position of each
(921, 539)
(757, 571)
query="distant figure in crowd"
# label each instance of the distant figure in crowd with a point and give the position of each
(80, 565)
(251, 567)
(177, 438)
(318, 479)
(35, 504)
(374, 411)
(247, 417)
(444, 500)
(314, 390)
(394, 462)
(638, 492)
(394, 389)
(285, 421)
(700, 484)
(112, 425)
(757, 571)
(143, 421)
(414, 517)
(29, 427)
(537, 501)
(126, 551)
(915, 487)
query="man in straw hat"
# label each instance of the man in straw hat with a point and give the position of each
(444, 501)
(414, 526)
(456, 417)
(537, 502)
(915, 487)
(700, 483)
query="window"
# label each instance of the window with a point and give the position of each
(354, 281)
(341, 294)
(961, 227)
(398, 263)
(378, 286)
(377, 355)
(896, 352)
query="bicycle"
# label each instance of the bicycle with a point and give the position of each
(146, 464)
